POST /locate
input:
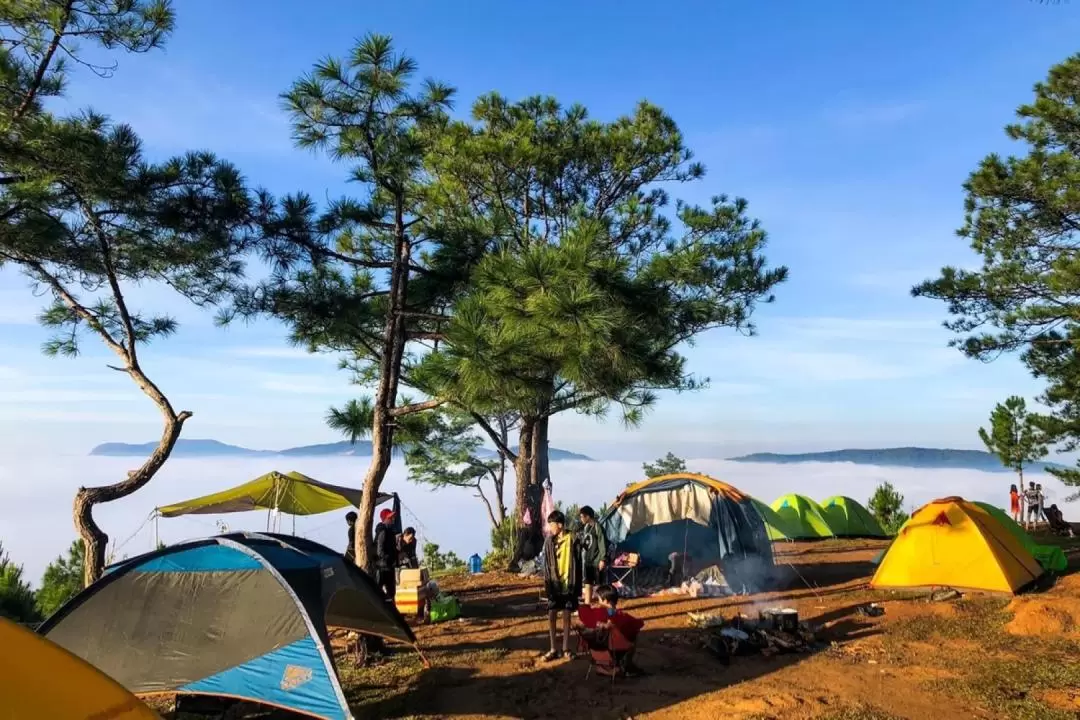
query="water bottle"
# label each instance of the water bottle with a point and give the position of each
(476, 564)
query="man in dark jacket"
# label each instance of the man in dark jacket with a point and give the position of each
(593, 552)
(406, 549)
(385, 554)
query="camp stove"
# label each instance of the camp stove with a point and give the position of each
(781, 619)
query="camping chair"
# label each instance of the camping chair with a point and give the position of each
(624, 571)
(608, 649)
(1057, 522)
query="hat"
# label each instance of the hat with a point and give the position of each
(386, 515)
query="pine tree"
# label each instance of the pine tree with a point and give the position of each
(86, 215)
(666, 465)
(1014, 436)
(16, 596)
(587, 289)
(63, 579)
(358, 277)
(1023, 221)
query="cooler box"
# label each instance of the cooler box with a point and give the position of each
(411, 577)
(410, 601)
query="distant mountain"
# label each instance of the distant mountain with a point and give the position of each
(908, 457)
(183, 448)
(212, 448)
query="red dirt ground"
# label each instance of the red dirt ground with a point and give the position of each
(974, 658)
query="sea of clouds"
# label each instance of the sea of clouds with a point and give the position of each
(36, 494)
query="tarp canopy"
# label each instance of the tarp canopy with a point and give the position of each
(242, 615)
(1051, 557)
(803, 516)
(956, 544)
(708, 522)
(776, 527)
(847, 518)
(292, 493)
(39, 679)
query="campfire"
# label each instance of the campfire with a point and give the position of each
(774, 631)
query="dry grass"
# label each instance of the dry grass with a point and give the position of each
(1005, 674)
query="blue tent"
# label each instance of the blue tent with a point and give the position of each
(240, 615)
(706, 521)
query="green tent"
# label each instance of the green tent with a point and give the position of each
(803, 516)
(847, 518)
(1051, 557)
(775, 526)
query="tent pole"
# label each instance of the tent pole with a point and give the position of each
(157, 538)
(294, 525)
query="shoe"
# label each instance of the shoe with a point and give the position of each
(551, 656)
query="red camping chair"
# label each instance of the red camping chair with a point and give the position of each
(608, 649)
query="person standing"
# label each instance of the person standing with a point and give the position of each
(1041, 499)
(562, 581)
(350, 549)
(406, 549)
(1014, 505)
(1031, 499)
(593, 552)
(386, 555)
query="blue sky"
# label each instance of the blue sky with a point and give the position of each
(849, 126)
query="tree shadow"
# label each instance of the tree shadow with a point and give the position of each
(679, 669)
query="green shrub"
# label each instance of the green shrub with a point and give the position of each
(63, 579)
(16, 596)
(439, 561)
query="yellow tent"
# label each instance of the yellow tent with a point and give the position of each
(292, 493)
(39, 679)
(954, 543)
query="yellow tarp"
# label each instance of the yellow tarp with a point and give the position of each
(954, 543)
(292, 493)
(39, 679)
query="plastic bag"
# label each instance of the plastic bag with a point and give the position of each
(445, 607)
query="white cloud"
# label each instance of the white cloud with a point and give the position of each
(283, 353)
(37, 523)
(860, 117)
(796, 351)
(303, 384)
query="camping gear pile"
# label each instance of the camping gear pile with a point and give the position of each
(774, 631)
(412, 595)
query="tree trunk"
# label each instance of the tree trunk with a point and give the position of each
(382, 431)
(94, 538)
(523, 469)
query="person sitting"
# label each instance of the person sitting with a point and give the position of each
(599, 620)
(406, 549)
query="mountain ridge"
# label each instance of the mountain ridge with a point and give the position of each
(206, 448)
(907, 457)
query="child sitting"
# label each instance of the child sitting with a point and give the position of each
(599, 620)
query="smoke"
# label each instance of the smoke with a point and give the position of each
(36, 495)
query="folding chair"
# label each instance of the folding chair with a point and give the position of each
(625, 573)
(608, 652)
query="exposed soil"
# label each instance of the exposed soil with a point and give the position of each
(968, 658)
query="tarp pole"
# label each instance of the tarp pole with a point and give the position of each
(157, 538)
